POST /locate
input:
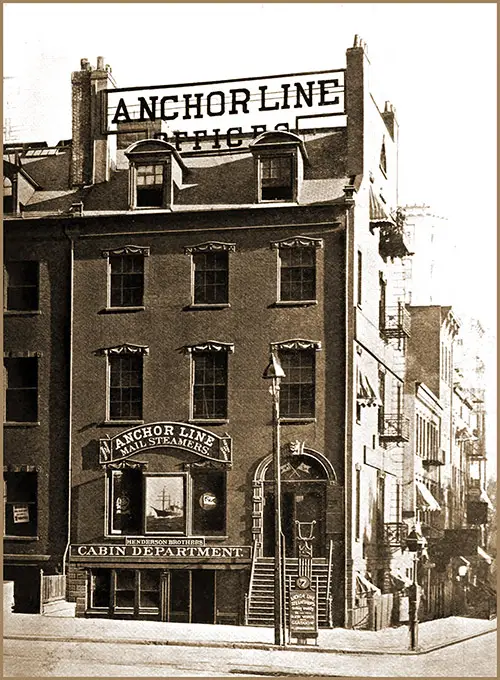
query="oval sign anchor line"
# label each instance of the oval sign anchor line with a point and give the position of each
(166, 434)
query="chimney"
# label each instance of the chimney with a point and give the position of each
(91, 150)
(356, 102)
(389, 118)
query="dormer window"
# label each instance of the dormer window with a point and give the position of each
(279, 162)
(276, 178)
(149, 187)
(156, 169)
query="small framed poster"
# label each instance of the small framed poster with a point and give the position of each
(165, 504)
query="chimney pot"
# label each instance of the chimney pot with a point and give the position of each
(84, 63)
(100, 63)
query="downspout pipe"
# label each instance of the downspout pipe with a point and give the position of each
(349, 202)
(71, 233)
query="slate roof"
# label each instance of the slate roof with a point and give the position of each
(213, 180)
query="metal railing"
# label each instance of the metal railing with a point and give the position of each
(436, 457)
(396, 322)
(395, 534)
(250, 583)
(395, 427)
(329, 600)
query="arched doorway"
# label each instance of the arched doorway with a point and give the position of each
(304, 482)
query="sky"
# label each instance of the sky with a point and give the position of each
(436, 63)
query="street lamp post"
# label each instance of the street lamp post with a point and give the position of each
(274, 372)
(415, 543)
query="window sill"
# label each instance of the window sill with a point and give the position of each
(118, 310)
(209, 421)
(216, 305)
(294, 303)
(21, 424)
(297, 421)
(108, 423)
(280, 201)
(31, 539)
(19, 312)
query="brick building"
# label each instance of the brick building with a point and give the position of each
(150, 271)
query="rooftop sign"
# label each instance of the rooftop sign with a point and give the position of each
(240, 106)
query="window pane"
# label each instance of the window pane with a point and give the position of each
(126, 494)
(20, 503)
(22, 285)
(150, 589)
(22, 392)
(125, 588)
(101, 587)
(125, 387)
(298, 273)
(127, 280)
(210, 385)
(211, 277)
(209, 501)
(21, 372)
(277, 178)
(297, 393)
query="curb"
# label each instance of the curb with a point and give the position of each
(249, 645)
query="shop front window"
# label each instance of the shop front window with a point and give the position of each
(126, 501)
(165, 500)
(125, 589)
(209, 502)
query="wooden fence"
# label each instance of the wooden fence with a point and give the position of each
(53, 588)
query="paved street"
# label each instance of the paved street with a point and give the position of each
(36, 658)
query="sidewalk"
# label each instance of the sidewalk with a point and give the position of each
(432, 634)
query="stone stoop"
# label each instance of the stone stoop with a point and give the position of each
(59, 608)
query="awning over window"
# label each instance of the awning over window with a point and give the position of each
(483, 498)
(426, 500)
(399, 580)
(367, 396)
(377, 210)
(363, 585)
(482, 553)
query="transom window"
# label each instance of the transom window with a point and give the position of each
(22, 286)
(210, 385)
(276, 178)
(211, 277)
(21, 381)
(125, 386)
(297, 273)
(149, 186)
(297, 391)
(20, 500)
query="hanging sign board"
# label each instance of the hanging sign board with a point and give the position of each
(177, 435)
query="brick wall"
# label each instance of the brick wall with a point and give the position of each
(76, 584)
(81, 169)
